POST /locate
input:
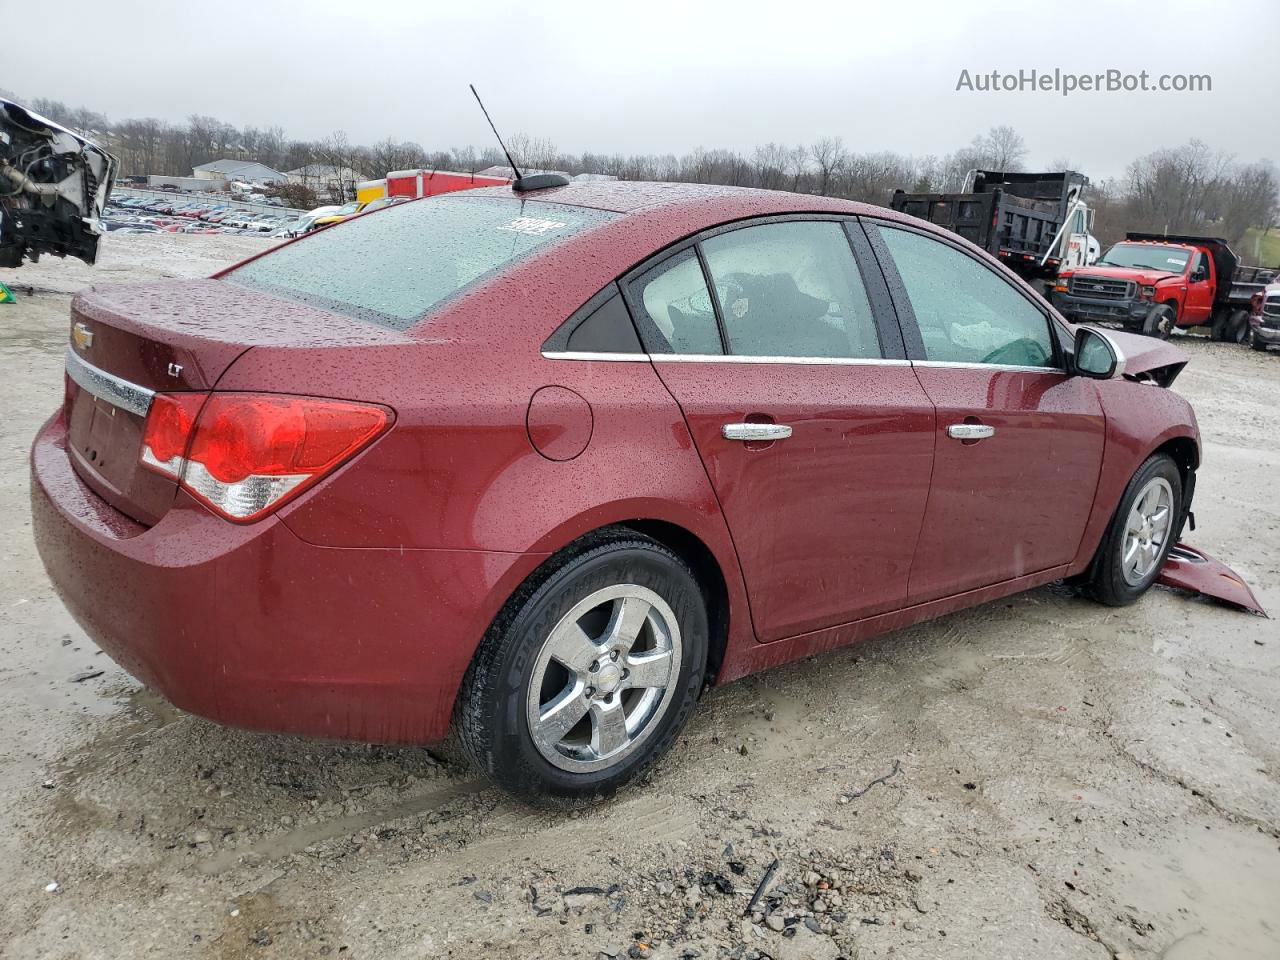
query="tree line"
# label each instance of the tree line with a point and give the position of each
(1182, 189)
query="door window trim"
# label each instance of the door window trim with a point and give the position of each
(888, 333)
(906, 315)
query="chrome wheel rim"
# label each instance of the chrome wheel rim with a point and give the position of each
(1146, 531)
(604, 678)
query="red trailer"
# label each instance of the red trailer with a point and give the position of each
(429, 183)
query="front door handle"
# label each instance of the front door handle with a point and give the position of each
(755, 431)
(970, 431)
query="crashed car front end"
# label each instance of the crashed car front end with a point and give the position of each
(53, 188)
(1264, 316)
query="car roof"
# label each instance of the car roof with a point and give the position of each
(636, 197)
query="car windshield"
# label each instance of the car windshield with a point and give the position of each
(1146, 256)
(395, 267)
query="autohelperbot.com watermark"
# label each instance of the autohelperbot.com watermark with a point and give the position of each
(1065, 83)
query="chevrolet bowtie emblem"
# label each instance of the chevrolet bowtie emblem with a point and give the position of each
(81, 336)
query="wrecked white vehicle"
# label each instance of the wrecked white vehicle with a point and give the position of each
(53, 188)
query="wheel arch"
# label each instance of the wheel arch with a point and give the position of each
(699, 537)
(681, 539)
(706, 568)
(1185, 453)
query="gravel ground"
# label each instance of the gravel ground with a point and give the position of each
(1038, 777)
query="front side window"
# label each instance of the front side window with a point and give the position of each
(965, 311)
(791, 290)
(393, 267)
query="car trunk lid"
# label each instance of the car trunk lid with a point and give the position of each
(130, 342)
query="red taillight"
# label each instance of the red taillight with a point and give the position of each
(244, 454)
(168, 430)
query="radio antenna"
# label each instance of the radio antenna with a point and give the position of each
(514, 168)
(521, 183)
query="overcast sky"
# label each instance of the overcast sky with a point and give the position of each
(655, 77)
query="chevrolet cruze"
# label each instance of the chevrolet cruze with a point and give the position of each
(544, 464)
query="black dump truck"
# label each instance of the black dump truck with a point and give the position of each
(1036, 223)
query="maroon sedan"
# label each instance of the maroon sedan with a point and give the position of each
(545, 464)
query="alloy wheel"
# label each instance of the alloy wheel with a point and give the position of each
(603, 678)
(1147, 531)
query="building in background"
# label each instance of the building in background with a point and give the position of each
(245, 171)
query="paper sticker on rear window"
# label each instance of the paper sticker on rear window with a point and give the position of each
(532, 225)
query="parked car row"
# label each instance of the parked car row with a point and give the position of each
(327, 216)
(185, 215)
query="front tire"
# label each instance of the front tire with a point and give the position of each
(1145, 527)
(1160, 322)
(589, 673)
(1258, 344)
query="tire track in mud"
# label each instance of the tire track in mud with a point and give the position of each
(281, 845)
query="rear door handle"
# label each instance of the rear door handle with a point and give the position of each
(755, 431)
(970, 431)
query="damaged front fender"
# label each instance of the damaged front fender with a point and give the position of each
(1190, 569)
(1147, 359)
(53, 188)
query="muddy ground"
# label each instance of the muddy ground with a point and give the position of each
(1039, 777)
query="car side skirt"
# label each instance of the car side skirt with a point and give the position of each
(741, 662)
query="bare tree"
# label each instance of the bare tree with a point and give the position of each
(797, 165)
(770, 165)
(1000, 148)
(828, 156)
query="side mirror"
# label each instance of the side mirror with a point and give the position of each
(1097, 355)
(1198, 275)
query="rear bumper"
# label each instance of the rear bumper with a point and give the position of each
(254, 627)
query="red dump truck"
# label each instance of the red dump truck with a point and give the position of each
(1155, 282)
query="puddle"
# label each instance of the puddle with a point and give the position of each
(1211, 894)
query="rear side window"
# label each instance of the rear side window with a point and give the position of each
(966, 313)
(676, 309)
(396, 265)
(791, 290)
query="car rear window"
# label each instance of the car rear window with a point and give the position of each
(397, 264)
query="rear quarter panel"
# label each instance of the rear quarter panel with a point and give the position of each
(458, 471)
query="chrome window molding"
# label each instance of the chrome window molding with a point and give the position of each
(743, 358)
(106, 386)
(589, 355)
(959, 365)
(828, 361)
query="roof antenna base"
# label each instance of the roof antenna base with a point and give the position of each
(539, 181)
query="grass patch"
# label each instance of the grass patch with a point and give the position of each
(1259, 250)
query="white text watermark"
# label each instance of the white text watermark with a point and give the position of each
(1065, 83)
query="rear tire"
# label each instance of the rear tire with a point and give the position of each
(1237, 329)
(1139, 537)
(1160, 322)
(567, 700)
